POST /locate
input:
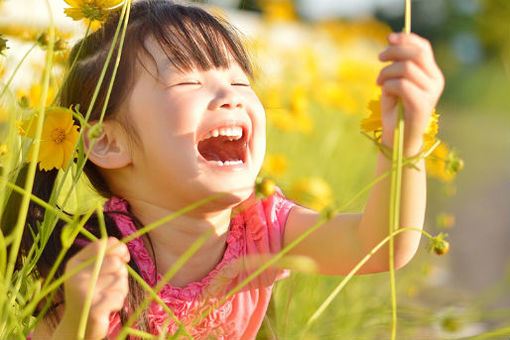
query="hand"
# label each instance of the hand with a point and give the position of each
(414, 77)
(109, 293)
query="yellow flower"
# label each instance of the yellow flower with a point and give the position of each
(275, 165)
(278, 10)
(373, 124)
(312, 192)
(32, 97)
(436, 163)
(3, 149)
(91, 9)
(58, 138)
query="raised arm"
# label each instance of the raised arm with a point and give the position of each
(339, 244)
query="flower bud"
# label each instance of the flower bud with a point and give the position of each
(95, 131)
(454, 164)
(442, 247)
(438, 245)
(43, 40)
(328, 213)
(265, 187)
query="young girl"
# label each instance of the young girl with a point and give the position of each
(183, 124)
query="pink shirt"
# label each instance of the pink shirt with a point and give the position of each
(256, 230)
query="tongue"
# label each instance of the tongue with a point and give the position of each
(221, 149)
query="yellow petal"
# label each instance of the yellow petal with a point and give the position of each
(109, 3)
(74, 13)
(74, 3)
(53, 160)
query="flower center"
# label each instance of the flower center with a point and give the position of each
(58, 135)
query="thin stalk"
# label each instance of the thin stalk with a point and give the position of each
(95, 275)
(123, 16)
(396, 184)
(139, 333)
(396, 188)
(16, 69)
(353, 272)
(73, 64)
(55, 284)
(66, 246)
(294, 243)
(59, 213)
(166, 278)
(29, 183)
(156, 298)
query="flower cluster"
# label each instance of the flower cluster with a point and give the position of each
(441, 162)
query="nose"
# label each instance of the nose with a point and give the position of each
(226, 98)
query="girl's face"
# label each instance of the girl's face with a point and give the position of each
(201, 132)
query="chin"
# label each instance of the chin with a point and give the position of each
(235, 195)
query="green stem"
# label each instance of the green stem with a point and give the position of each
(349, 276)
(166, 278)
(289, 247)
(55, 284)
(29, 183)
(395, 193)
(123, 16)
(75, 60)
(16, 69)
(95, 275)
(396, 188)
(65, 248)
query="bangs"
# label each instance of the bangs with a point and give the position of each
(192, 38)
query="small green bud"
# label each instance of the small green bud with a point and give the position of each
(328, 213)
(60, 45)
(265, 187)
(43, 40)
(95, 131)
(439, 245)
(454, 164)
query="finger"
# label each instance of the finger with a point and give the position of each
(399, 38)
(404, 69)
(412, 96)
(113, 247)
(112, 280)
(416, 48)
(113, 263)
(109, 301)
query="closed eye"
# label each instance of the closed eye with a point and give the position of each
(241, 84)
(189, 83)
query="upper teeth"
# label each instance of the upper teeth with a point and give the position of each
(236, 132)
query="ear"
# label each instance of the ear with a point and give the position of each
(110, 150)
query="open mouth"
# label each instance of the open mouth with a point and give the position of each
(224, 146)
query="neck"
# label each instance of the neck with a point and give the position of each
(172, 239)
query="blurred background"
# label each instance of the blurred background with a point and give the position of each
(317, 65)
